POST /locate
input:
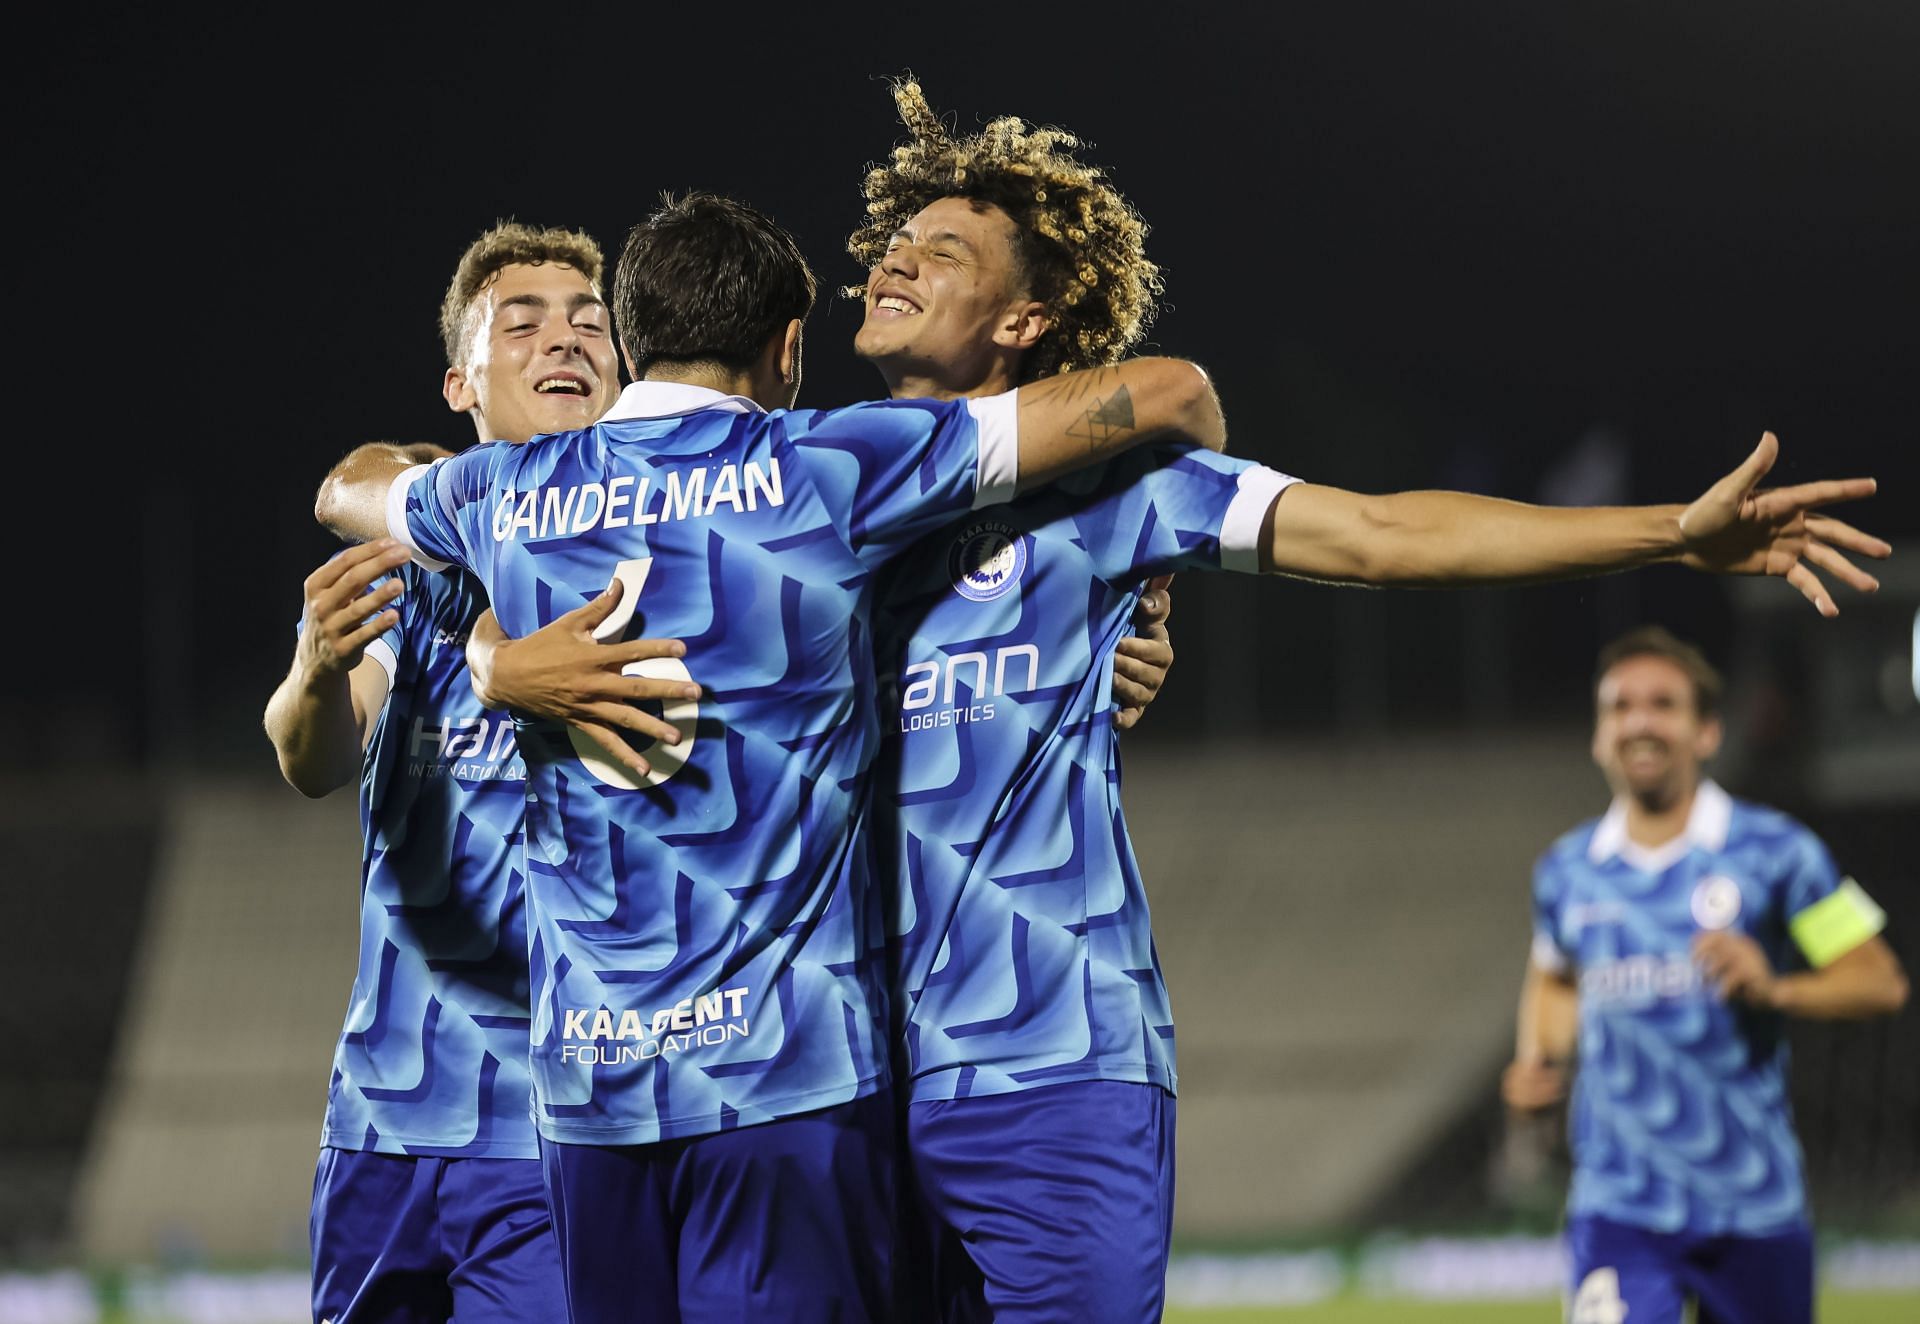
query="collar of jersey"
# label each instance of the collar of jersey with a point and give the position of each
(1707, 825)
(673, 399)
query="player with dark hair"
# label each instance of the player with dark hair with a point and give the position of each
(1672, 937)
(709, 1058)
(1026, 993)
(428, 1201)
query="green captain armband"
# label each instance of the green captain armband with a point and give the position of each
(1833, 926)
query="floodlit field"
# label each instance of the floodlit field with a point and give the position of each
(1850, 1308)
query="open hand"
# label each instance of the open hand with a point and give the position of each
(1735, 529)
(561, 672)
(341, 616)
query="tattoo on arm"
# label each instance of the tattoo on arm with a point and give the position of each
(1104, 420)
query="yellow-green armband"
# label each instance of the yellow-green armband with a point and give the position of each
(1834, 925)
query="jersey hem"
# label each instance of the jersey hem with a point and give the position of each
(937, 1084)
(684, 1128)
(1719, 1228)
(416, 1147)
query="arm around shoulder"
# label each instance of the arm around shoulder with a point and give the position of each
(1082, 418)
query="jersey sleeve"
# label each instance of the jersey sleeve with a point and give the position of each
(902, 468)
(1827, 915)
(1549, 950)
(443, 511)
(1161, 509)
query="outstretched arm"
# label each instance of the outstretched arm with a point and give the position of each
(1081, 418)
(1454, 538)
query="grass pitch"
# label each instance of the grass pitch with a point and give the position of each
(1835, 1308)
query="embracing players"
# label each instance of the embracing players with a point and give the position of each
(1026, 994)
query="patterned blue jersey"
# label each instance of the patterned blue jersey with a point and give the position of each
(704, 938)
(433, 1059)
(1022, 952)
(1680, 1111)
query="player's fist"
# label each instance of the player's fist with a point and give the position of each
(341, 616)
(1734, 964)
(1531, 1085)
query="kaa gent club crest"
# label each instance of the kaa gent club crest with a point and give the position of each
(987, 560)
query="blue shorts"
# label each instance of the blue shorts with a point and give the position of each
(785, 1221)
(1731, 1279)
(1046, 1204)
(398, 1239)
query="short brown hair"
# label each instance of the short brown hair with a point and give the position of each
(706, 279)
(1654, 641)
(509, 244)
(1081, 247)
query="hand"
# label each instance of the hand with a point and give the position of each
(1141, 662)
(561, 672)
(340, 617)
(1734, 529)
(1736, 966)
(1531, 1085)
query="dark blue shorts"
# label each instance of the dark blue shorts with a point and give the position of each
(398, 1239)
(1047, 1204)
(786, 1221)
(1733, 1280)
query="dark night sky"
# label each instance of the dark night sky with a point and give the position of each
(1416, 244)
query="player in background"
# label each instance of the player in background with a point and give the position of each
(428, 1201)
(1672, 937)
(709, 1057)
(1027, 992)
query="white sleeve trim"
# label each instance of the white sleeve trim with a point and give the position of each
(999, 474)
(382, 652)
(1240, 530)
(397, 515)
(1548, 956)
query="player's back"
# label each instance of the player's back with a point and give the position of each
(703, 954)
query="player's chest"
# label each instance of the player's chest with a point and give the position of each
(1616, 911)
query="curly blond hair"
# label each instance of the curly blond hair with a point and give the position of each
(508, 244)
(1081, 248)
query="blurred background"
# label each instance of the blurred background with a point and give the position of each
(1575, 254)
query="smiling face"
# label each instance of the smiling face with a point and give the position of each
(947, 308)
(1649, 736)
(540, 357)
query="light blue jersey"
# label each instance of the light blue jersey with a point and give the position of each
(1023, 952)
(1680, 1112)
(433, 1059)
(705, 939)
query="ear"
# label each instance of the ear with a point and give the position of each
(626, 357)
(1707, 743)
(458, 391)
(790, 354)
(1022, 326)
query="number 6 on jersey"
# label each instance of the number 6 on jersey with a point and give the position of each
(666, 760)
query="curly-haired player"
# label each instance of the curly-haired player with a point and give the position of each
(1078, 247)
(1027, 994)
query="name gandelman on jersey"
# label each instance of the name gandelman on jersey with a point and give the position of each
(630, 500)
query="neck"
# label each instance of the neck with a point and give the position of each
(713, 376)
(1657, 818)
(933, 381)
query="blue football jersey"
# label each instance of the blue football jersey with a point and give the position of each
(704, 937)
(1680, 1115)
(433, 1059)
(1022, 951)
